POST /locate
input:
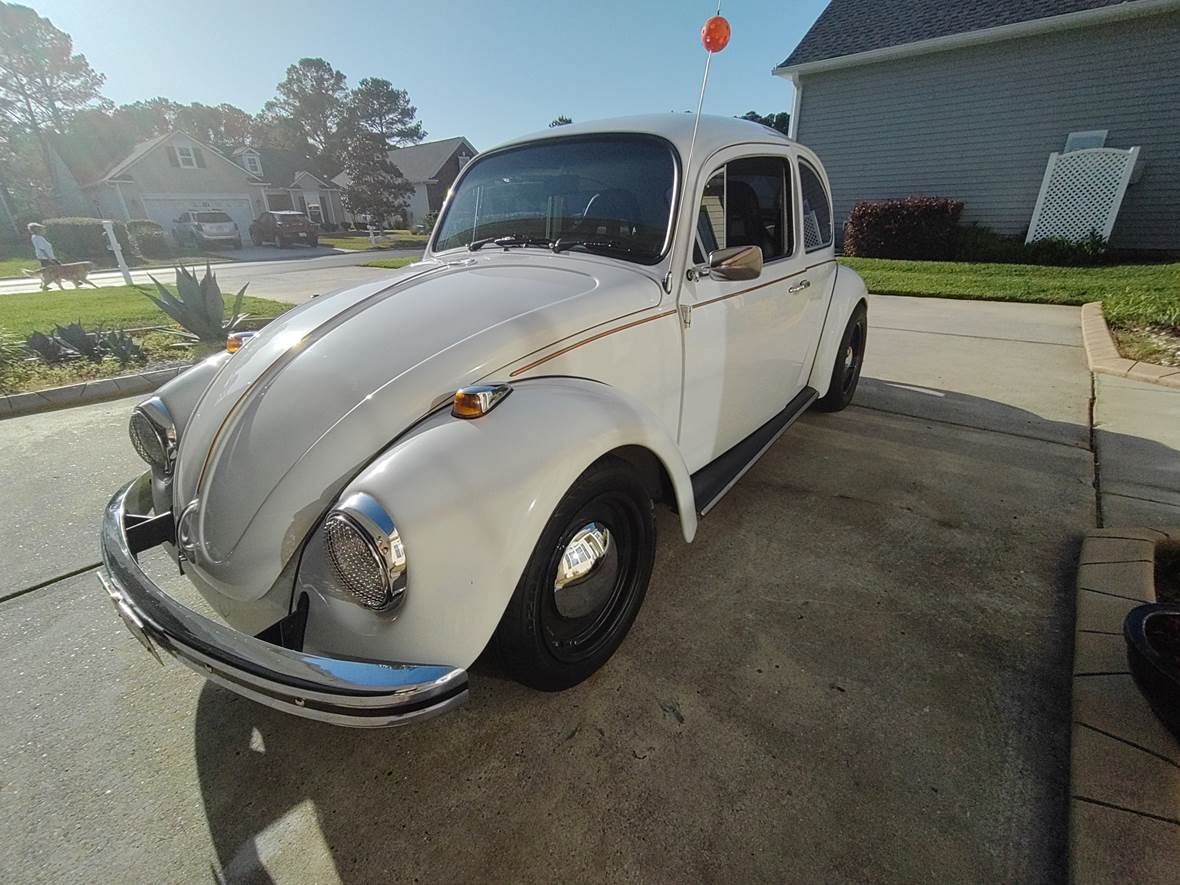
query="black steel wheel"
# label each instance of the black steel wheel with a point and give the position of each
(849, 361)
(584, 583)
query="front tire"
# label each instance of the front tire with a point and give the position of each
(849, 361)
(584, 583)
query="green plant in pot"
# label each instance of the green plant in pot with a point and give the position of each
(199, 308)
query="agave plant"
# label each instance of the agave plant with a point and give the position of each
(49, 348)
(82, 342)
(122, 347)
(198, 306)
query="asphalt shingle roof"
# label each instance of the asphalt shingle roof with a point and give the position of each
(848, 27)
(418, 162)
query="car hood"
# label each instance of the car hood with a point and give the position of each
(290, 418)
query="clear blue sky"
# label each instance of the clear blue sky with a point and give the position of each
(486, 70)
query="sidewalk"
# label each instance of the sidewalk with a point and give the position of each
(1137, 445)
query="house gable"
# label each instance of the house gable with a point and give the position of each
(179, 163)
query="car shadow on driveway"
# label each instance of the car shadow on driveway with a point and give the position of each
(860, 670)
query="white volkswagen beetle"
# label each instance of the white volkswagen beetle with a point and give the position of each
(389, 478)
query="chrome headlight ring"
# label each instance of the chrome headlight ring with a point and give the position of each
(153, 434)
(366, 552)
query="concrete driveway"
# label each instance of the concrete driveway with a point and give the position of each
(858, 672)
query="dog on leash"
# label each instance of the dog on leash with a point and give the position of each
(75, 272)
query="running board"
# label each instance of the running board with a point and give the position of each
(711, 482)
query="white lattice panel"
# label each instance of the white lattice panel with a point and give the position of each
(813, 237)
(1082, 192)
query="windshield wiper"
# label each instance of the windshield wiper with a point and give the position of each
(510, 240)
(565, 243)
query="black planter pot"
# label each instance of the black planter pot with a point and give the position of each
(1152, 633)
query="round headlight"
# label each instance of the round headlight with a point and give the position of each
(153, 434)
(366, 552)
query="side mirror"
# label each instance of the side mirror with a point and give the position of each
(736, 263)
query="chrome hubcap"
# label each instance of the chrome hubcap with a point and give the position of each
(849, 357)
(575, 594)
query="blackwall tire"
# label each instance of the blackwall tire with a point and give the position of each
(552, 638)
(849, 362)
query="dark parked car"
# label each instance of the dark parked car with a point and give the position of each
(202, 228)
(284, 228)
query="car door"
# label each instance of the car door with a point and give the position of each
(747, 344)
(816, 237)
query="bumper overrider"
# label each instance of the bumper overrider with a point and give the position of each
(337, 690)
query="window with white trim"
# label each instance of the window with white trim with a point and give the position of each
(186, 158)
(252, 164)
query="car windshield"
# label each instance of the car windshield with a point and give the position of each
(608, 193)
(288, 219)
(210, 217)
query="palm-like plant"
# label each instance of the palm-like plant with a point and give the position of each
(198, 306)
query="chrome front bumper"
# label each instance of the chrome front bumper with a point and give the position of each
(336, 690)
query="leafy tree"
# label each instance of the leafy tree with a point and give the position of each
(375, 106)
(149, 118)
(780, 121)
(560, 121)
(43, 82)
(376, 186)
(313, 97)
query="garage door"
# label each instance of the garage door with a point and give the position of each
(165, 211)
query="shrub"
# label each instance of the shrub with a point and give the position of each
(428, 221)
(329, 227)
(915, 228)
(75, 239)
(151, 240)
(1062, 252)
(198, 306)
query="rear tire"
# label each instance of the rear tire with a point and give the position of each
(849, 361)
(552, 637)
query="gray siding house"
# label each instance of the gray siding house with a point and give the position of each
(968, 99)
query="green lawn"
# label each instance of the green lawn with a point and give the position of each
(359, 242)
(390, 263)
(1131, 294)
(12, 267)
(113, 307)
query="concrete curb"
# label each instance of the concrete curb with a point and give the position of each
(1104, 358)
(15, 404)
(1124, 765)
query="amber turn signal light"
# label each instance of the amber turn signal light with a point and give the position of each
(477, 401)
(237, 340)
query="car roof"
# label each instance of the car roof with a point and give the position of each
(713, 133)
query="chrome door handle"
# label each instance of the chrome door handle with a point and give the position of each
(799, 287)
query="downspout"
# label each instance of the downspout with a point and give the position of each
(793, 128)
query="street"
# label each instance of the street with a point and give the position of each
(292, 279)
(859, 671)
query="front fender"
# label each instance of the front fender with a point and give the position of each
(848, 291)
(470, 499)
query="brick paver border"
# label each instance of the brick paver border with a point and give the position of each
(1104, 358)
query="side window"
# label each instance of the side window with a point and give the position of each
(746, 203)
(817, 210)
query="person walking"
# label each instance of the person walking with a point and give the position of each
(42, 248)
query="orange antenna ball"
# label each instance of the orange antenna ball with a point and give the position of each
(715, 34)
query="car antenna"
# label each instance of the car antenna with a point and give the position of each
(714, 37)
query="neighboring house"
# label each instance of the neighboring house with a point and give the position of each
(431, 168)
(967, 100)
(173, 173)
(293, 181)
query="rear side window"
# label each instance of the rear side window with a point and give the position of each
(817, 210)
